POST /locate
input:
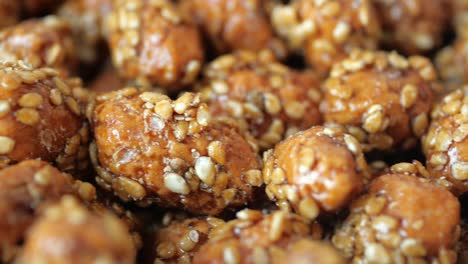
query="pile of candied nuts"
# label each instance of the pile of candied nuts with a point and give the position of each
(234, 131)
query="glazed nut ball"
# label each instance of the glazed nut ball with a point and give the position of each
(42, 116)
(85, 237)
(403, 219)
(446, 142)
(25, 188)
(153, 45)
(314, 170)
(235, 24)
(40, 42)
(413, 26)
(326, 31)
(150, 149)
(452, 64)
(178, 240)
(87, 21)
(9, 11)
(264, 96)
(383, 99)
(255, 238)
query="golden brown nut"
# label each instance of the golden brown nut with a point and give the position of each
(42, 116)
(87, 21)
(9, 12)
(255, 238)
(446, 142)
(172, 153)
(39, 7)
(235, 24)
(413, 26)
(402, 218)
(452, 64)
(40, 42)
(314, 170)
(326, 31)
(262, 95)
(383, 99)
(151, 43)
(70, 233)
(178, 240)
(25, 188)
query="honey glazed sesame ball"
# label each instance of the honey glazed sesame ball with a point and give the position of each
(383, 99)
(255, 238)
(319, 169)
(42, 116)
(149, 149)
(24, 190)
(326, 31)
(178, 240)
(87, 21)
(151, 43)
(446, 142)
(413, 26)
(77, 235)
(235, 24)
(10, 12)
(40, 42)
(264, 96)
(404, 218)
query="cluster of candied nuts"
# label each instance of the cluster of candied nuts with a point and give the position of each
(263, 96)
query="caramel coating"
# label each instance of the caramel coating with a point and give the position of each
(383, 99)
(87, 21)
(171, 153)
(9, 12)
(267, 98)
(70, 233)
(107, 81)
(42, 116)
(452, 64)
(255, 238)
(317, 169)
(326, 31)
(40, 42)
(25, 188)
(413, 26)
(178, 240)
(151, 43)
(235, 25)
(39, 7)
(402, 218)
(446, 143)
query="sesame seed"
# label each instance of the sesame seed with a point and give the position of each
(420, 124)
(277, 226)
(27, 116)
(220, 87)
(62, 86)
(32, 100)
(43, 176)
(460, 170)
(412, 248)
(205, 170)
(309, 208)
(151, 97)
(404, 167)
(231, 255)
(376, 253)
(352, 144)
(341, 31)
(186, 243)
(216, 152)
(384, 223)
(375, 205)
(254, 177)
(278, 176)
(176, 183)
(4, 108)
(164, 109)
(6, 145)
(183, 103)
(408, 96)
(166, 250)
(272, 104)
(131, 187)
(203, 115)
(294, 109)
(73, 105)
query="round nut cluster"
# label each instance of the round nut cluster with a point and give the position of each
(383, 99)
(178, 240)
(235, 25)
(257, 238)
(452, 63)
(326, 31)
(42, 116)
(403, 219)
(172, 153)
(89, 237)
(446, 142)
(413, 26)
(9, 12)
(40, 42)
(153, 45)
(264, 96)
(25, 188)
(87, 22)
(314, 170)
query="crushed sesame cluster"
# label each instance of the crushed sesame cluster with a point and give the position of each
(152, 44)
(234, 131)
(262, 95)
(383, 99)
(446, 142)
